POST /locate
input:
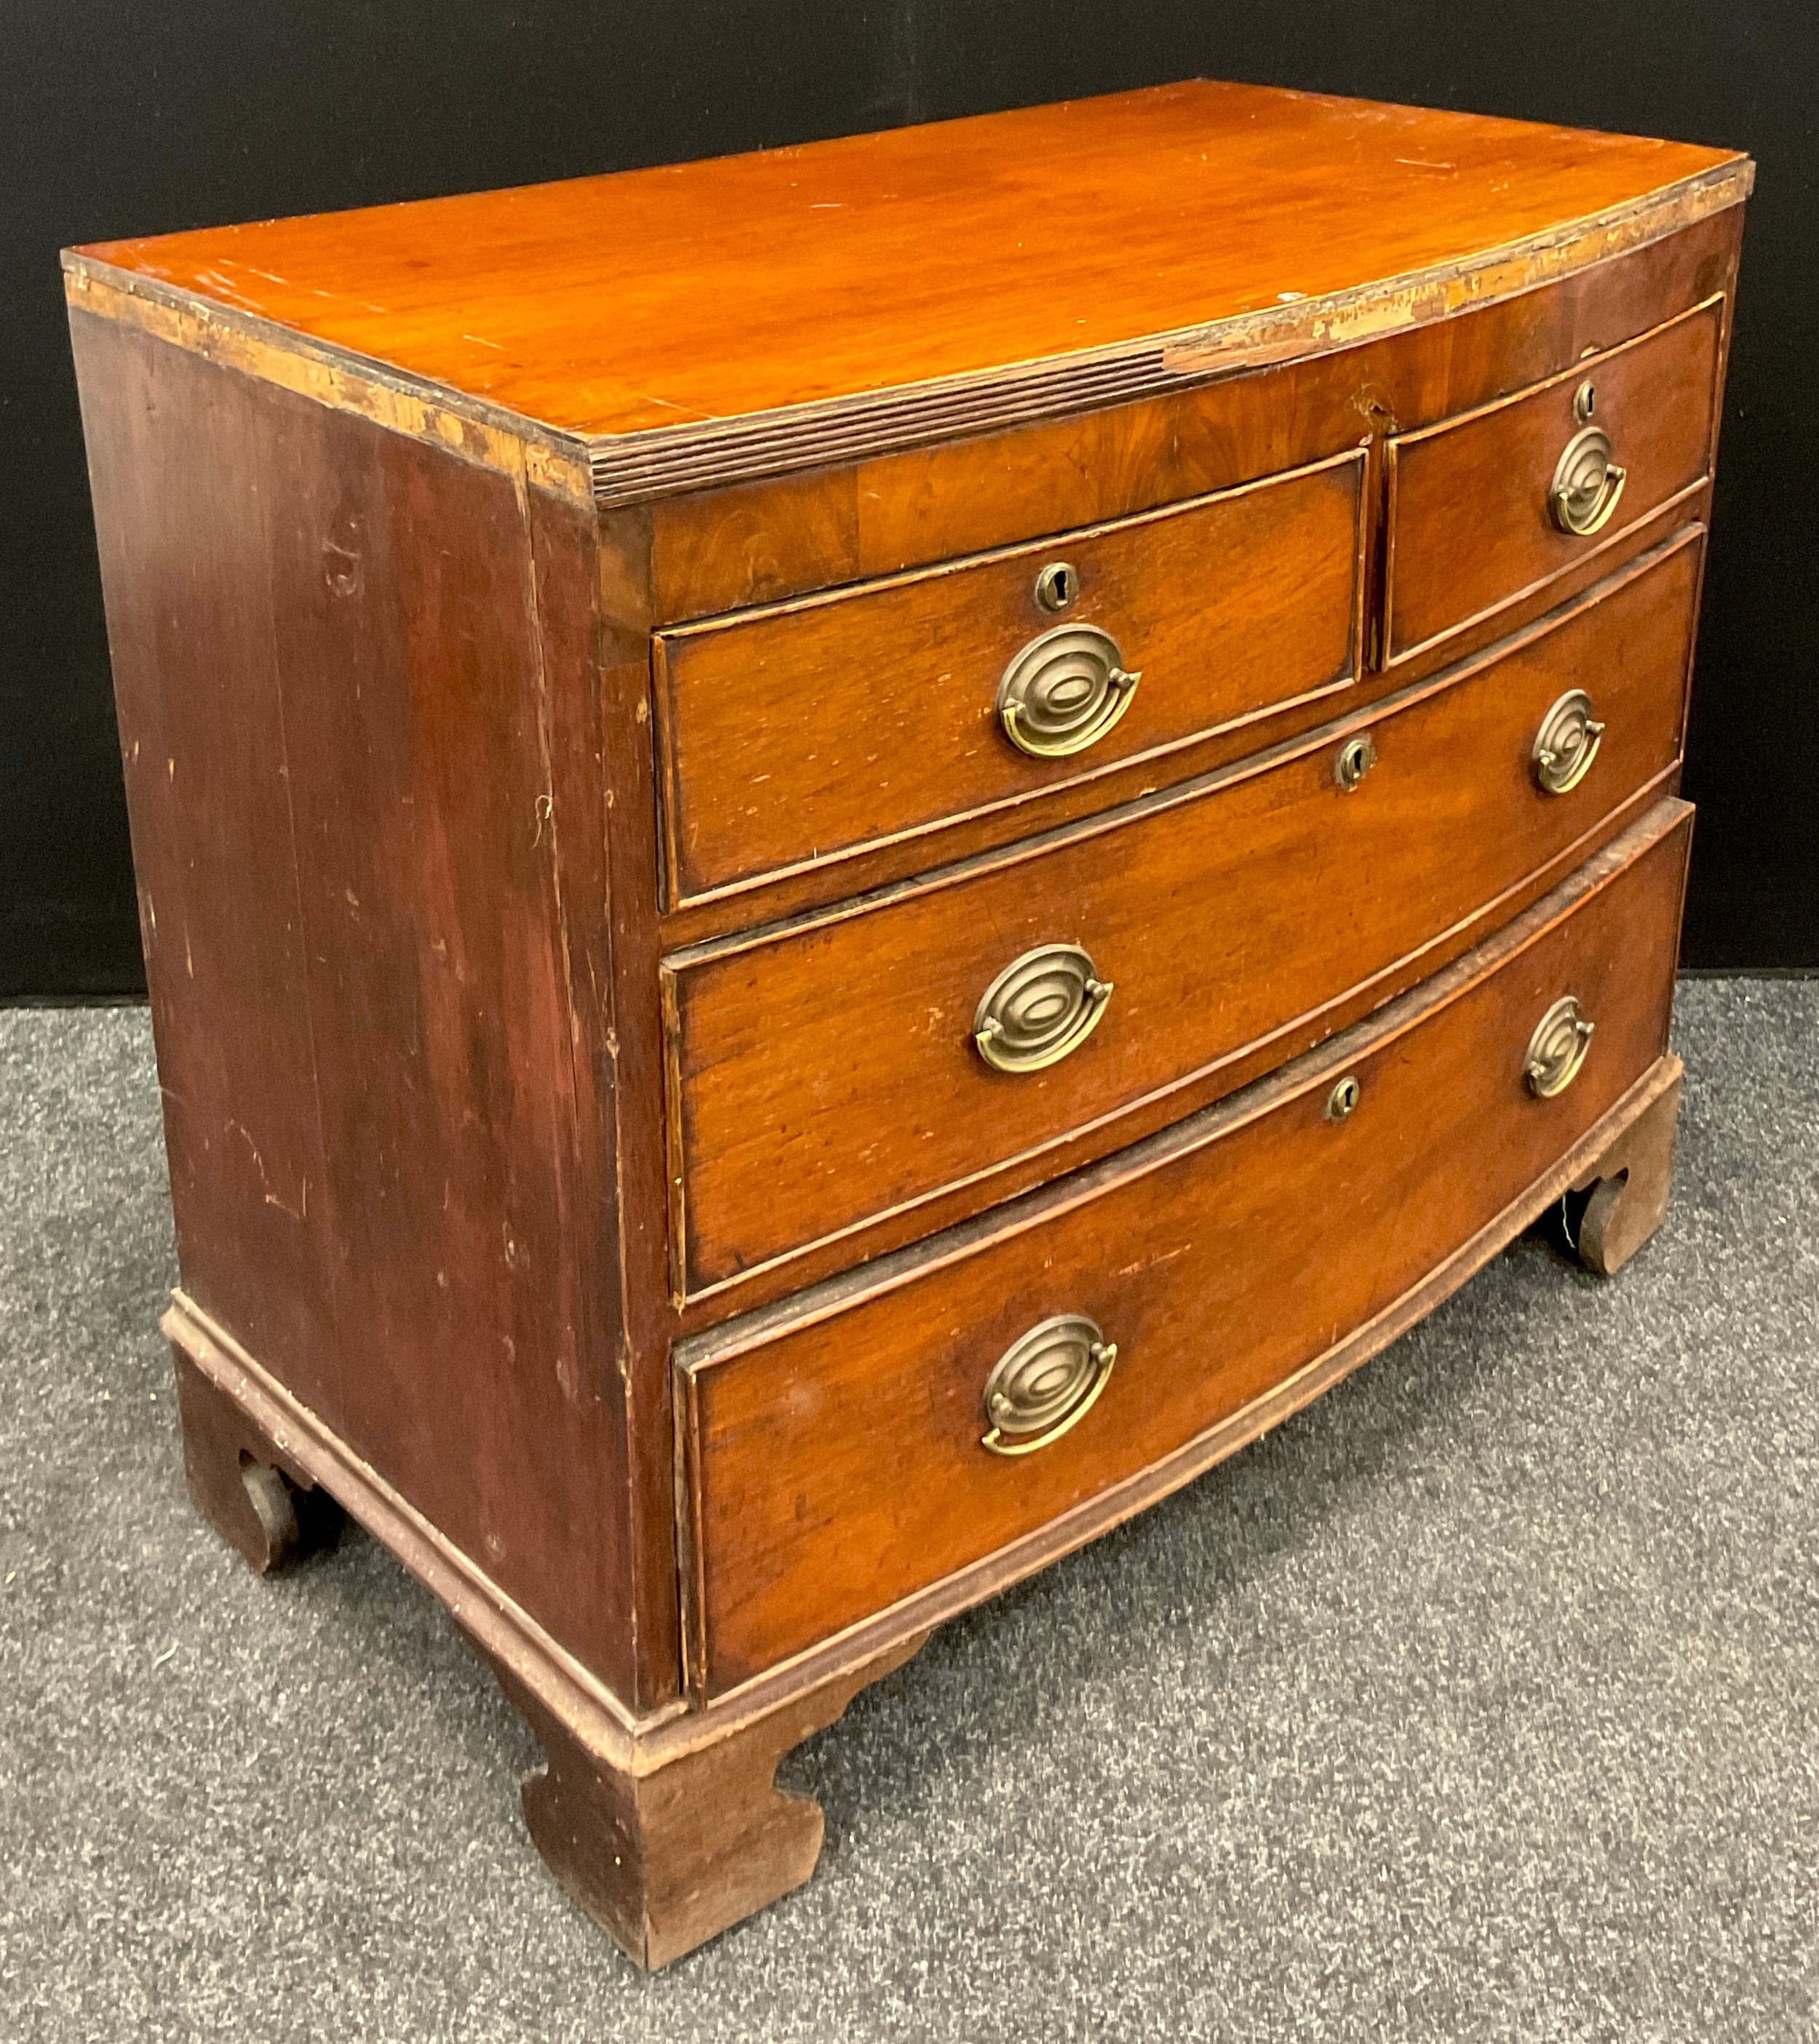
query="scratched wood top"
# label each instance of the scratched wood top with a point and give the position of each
(744, 314)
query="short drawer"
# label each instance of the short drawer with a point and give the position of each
(1486, 509)
(845, 1453)
(820, 727)
(852, 1064)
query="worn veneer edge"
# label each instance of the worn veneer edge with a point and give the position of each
(475, 431)
(668, 460)
(630, 468)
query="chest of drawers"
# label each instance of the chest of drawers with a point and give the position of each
(847, 856)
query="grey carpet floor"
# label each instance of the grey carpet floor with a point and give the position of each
(1481, 1701)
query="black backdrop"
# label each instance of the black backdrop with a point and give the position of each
(118, 120)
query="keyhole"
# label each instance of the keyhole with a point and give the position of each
(1343, 1098)
(1357, 757)
(1057, 586)
(1585, 403)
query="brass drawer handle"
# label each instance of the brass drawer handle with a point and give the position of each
(1064, 692)
(1566, 744)
(1040, 1008)
(1557, 1049)
(1047, 1382)
(1587, 483)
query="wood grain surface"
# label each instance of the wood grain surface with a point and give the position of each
(1628, 1195)
(730, 543)
(723, 546)
(834, 1454)
(659, 310)
(825, 1072)
(356, 689)
(666, 1856)
(1469, 528)
(831, 724)
(174, 454)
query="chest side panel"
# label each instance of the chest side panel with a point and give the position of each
(393, 1167)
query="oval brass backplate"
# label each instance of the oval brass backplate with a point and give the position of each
(1064, 692)
(1557, 1049)
(1566, 744)
(1586, 484)
(1344, 1098)
(1040, 1008)
(1045, 1382)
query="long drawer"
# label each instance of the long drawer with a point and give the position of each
(858, 1063)
(1487, 509)
(820, 727)
(846, 1451)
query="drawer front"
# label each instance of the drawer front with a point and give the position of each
(1474, 520)
(825, 726)
(829, 1072)
(837, 1458)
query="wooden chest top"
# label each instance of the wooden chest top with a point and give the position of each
(756, 313)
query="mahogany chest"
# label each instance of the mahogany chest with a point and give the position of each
(848, 856)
